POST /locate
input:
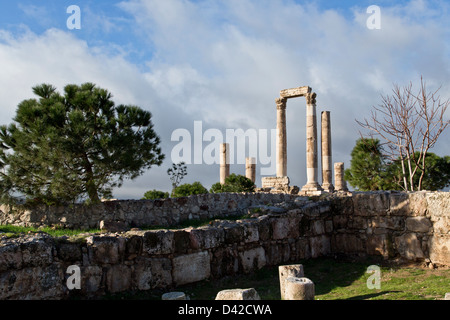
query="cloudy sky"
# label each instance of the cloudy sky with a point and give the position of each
(210, 66)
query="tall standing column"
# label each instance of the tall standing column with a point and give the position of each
(327, 184)
(250, 168)
(224, 162)
(311, 145)
(281, 138)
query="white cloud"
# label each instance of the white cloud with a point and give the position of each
(224, 62)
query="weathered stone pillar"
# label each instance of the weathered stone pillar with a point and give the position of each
(250, 169)
(311, 145)
(327, 184)
(224, 162)
(299, 289)
(339, 181)
(284, 272)
(281, 138)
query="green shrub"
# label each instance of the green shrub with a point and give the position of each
(187, 189)
(155, 194)
(234, 183)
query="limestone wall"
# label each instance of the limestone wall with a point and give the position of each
(138, 213)
(413, 226)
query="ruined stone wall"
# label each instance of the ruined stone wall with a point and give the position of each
(413, 226)
(139, 213)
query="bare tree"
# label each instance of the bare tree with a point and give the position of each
(410, 125)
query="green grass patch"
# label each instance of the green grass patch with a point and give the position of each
(15, 231)
(337, 280)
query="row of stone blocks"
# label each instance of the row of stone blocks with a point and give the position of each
(293, 286)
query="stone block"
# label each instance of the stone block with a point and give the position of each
(371, 203)
(234, 233)
(118, 278)
(347, 243)
(225, 261)
(238, 294)
(206, 237)
(251, 233)
(103, 249)
(174, 296)
(379, 244)
(91, 279)
(418, 224)
(280, 228)
(10, 256)
(295, 92)
(439, 249)
(181, 241)
(37, 251)
(275, 182)
(299, 289)
(319, 245)
(191, 268)
(158, 242)
(113, 226)
(253, 258)
(69, 251)
(409, 246)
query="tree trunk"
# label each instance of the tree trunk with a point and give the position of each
(405, 183)
(91, 188)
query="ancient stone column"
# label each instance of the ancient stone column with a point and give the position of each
(299, 289)
(327, 184)
(311, 145)
(281, 138)
(284, 272)
(224, 162)
(339, 182)
(250, 168)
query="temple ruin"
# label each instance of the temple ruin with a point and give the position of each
(280, 183)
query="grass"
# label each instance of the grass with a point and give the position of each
(337, 280)
(15, 231)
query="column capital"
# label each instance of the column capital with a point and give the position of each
(281, 103)
(311, 98)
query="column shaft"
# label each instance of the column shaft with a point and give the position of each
(339, 181)
(311, 145)
(327, 184)
(250, 168)
(281, 138)
(224, 162)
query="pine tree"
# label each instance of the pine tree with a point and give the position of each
(62, 148)
(366, 166)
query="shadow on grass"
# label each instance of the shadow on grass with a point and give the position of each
(329, 274)
(371, 295)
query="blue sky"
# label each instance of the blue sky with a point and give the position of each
(224, 63)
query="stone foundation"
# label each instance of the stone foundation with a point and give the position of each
(409, 226)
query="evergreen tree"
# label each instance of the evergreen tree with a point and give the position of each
(366, 166)
(62, 148)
